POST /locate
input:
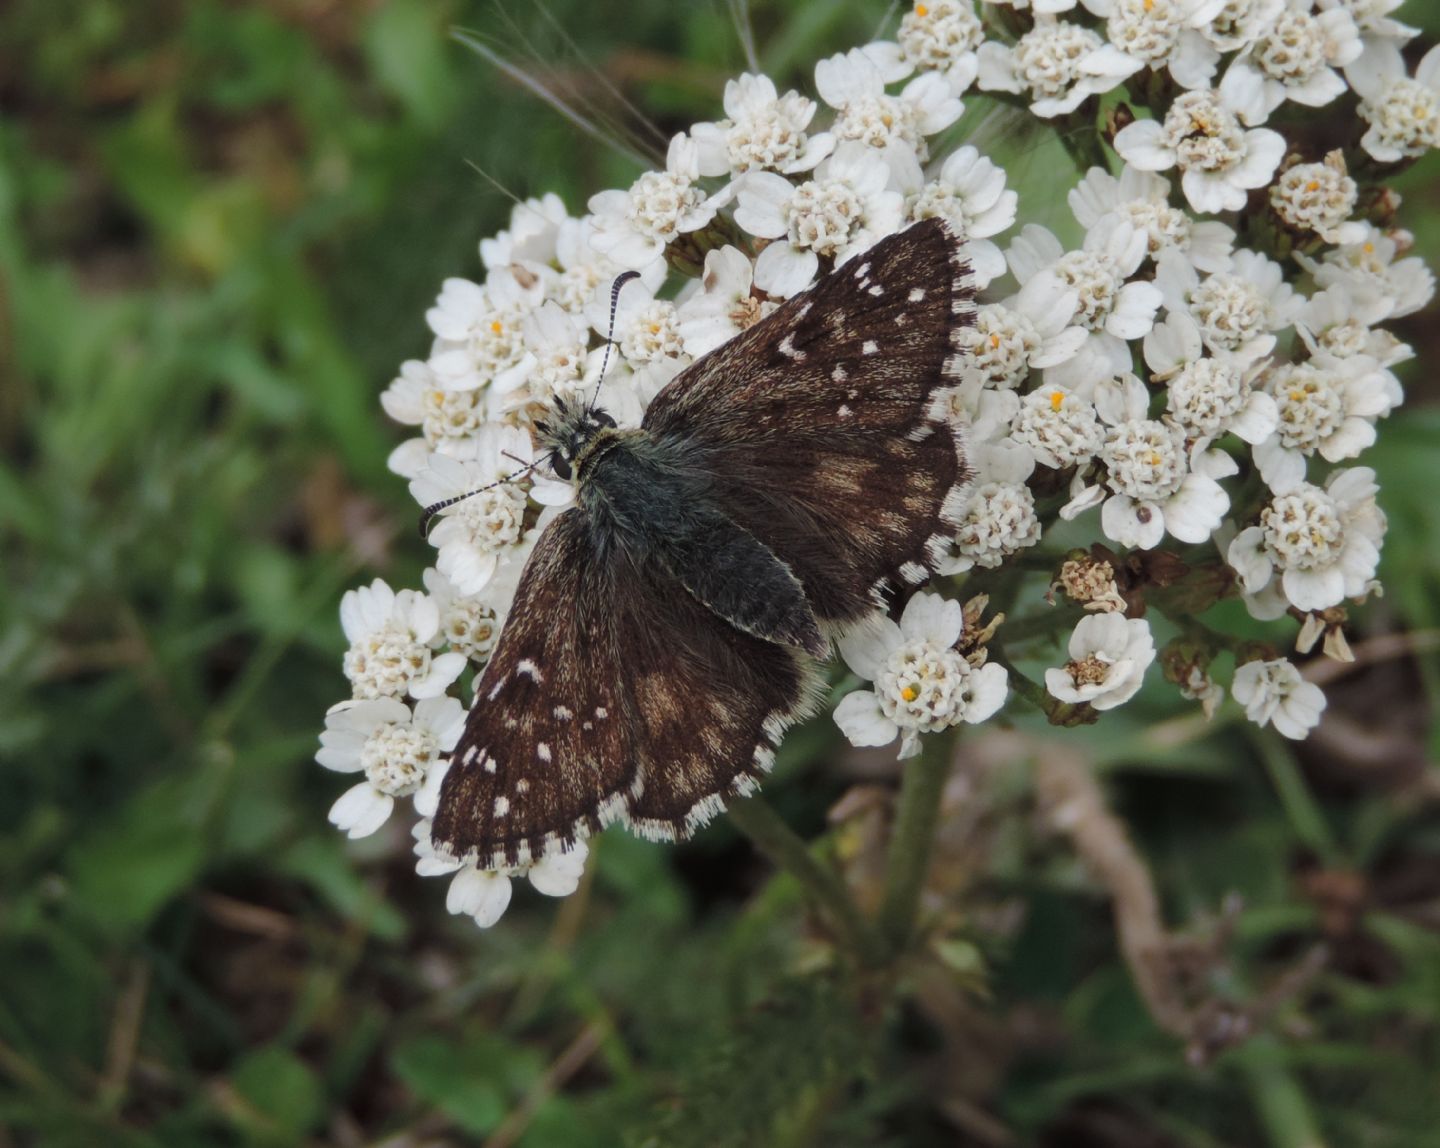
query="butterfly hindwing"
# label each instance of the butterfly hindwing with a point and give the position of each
(547, 755)
(828, 425)
(708, 704)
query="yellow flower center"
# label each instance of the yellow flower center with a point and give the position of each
(1057, 400)
(497, 327)
(909, 693)
(921, 10)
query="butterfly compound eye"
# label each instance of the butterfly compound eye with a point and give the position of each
(561, 466)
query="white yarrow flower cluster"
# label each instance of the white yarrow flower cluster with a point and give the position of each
(1203, 360)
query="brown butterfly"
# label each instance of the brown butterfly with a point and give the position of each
(667, 627)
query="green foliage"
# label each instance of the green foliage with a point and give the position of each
(220, 224)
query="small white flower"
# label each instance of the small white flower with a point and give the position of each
(481, 894)
(558, 875)
(1027, 332)
(584, 270)
(634, 227)
(1059, 428)
(999, 519)
(394, 748)
(1241, 22)
(447, 419)
(1156, 483)
(390, 636)
(470, 623)
(557, 347)
(1319, 197)
(1370, 270)
(647, 333)
(1335, 322)
(1296, 59)
(762, 131)
(1110, 306)
(845, 209)
(1199, 686)
(1163, 33)
(1219, 160)
(484, 894)
(472, 534)
(969, 193)
(534, 228)
(1327, 406)
(1239, 311)
(942, 36)
(1040, 7)
(1143, 198)
(1274, 693)
(853, 83)
(1324, 544)
(921, 682)
(1109, 655)
(478, 329)
(1060, 65)
(1207, 397)
(1372, 17)
(724, 306)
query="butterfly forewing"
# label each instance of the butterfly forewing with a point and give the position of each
(547, 755)
(828, 425)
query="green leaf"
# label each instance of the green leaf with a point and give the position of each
(323, 863)
(124, 871)
(282, 1088)
(464, 1079)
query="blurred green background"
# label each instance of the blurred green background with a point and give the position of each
(220, 225)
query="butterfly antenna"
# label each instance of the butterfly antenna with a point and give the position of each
(428, 514)
(620, 280)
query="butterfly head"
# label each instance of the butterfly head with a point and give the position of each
(568, 434)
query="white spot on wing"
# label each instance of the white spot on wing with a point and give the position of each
(845, 412)
(869, 347)
(877, 290)
(563, 713)
(542, 751)
(601, 712)
(916, 294)
(839, 374)
(526, 666)
(914, 573)
(502, 806)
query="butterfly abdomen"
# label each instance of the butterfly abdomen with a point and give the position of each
(649, 496)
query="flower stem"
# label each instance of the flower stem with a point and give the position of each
(1306, 817)
(914, 839)
(1280, 1102)
(768, 832)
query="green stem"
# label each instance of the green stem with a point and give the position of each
(914, 838)
(1280, 1102)
(1303, 811)
(768, 832)
(1052, 620)
(1032, 691)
